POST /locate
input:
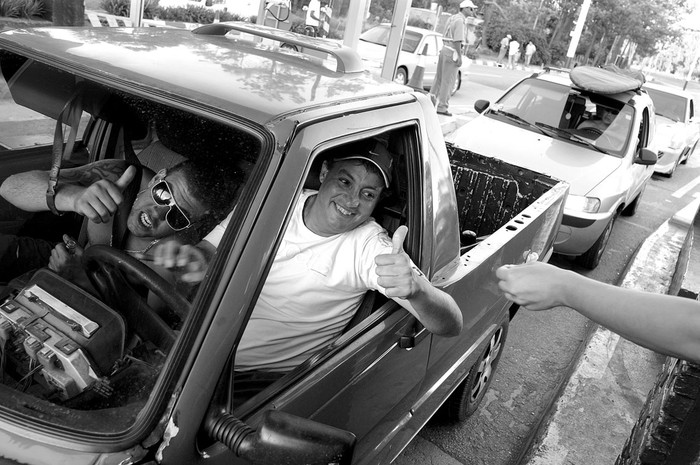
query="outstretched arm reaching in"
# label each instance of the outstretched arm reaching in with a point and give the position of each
(663, 323)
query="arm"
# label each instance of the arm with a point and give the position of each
(663, 323)
(93, 190)
(408, 286)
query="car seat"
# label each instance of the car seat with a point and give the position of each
(573, 112)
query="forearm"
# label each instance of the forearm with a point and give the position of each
(436, 310)
(666, 324)
(26, 190)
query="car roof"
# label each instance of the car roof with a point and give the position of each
(667, 89)
(233, 74)
(562, 77)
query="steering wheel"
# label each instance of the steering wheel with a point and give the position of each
(603, 140)
(593, 130)
(108, 270)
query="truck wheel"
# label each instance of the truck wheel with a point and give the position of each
(466, 399)
(591, 259)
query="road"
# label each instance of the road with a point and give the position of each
(541, 347)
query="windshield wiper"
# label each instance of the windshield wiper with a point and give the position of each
(564, 134)
(518, 119)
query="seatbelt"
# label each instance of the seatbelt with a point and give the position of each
(72, 110)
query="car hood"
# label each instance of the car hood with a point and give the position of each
(372, 54)
(581, 167)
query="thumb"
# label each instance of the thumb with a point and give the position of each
(397, 240)
(126, 178)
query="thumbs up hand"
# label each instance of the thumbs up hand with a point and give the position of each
(99, 201)
(396, 272)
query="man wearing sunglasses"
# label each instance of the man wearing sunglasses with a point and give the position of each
(182, 202)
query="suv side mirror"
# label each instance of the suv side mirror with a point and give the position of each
(481, 105)
(283, 438)
(646, 157)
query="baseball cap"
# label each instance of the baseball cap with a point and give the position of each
(374, 152)
(467, 4)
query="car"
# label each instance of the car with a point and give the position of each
(677, 127)
(549, 121)
(106, 378)
(419, 47)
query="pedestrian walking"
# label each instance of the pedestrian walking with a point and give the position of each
(450, 58)
(530, 50)
(503, 50)
(513, 50)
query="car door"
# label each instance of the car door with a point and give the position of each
(367, 380)
(431, 53)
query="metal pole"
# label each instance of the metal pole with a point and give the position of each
(136, 12)
(576, 33)
(398, 28)
(356, 18)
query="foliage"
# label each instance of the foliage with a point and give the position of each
(22, 8)
(122, 7)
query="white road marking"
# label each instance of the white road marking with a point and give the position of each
(687, 188)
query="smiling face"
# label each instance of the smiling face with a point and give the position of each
(349, 191)
(147, 219)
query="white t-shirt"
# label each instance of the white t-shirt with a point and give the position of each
(315, 8)
(314, 287)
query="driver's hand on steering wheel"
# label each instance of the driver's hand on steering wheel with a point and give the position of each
(192, 260)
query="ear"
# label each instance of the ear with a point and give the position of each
(324, 172)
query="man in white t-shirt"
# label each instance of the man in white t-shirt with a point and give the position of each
(332, 253)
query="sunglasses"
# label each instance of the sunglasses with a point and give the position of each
(162, 195)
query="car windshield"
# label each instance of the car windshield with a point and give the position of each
(90, 354)
(380, 35)
(569, 115)
(668, 105)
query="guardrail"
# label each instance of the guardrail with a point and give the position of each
(100, 19)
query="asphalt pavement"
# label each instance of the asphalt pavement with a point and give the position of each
(591, 417)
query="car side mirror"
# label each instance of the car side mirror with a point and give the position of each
(283, 438)
(646, 157)
(481, 105)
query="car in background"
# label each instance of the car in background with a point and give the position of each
(418, 44)
(677, 128)
(545, 122)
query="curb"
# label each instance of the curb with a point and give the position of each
(654, 267)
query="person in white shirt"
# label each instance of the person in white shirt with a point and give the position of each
(332, 253)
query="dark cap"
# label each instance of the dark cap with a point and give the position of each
(374, 152)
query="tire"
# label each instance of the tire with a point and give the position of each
(591, 259)
(632, 208)
(401, 76)
(466, 399)
(458, 83)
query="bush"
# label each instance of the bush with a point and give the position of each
(22, 8)
(123, 7)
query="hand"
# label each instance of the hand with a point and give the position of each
(396, 272)
(67, 263)
(193, 259)
(534, 285)
(99, 201)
